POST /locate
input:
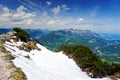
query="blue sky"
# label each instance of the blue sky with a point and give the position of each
(96, 15)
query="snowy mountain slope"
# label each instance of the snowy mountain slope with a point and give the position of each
(45, 64)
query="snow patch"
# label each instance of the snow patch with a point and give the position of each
(46, 65)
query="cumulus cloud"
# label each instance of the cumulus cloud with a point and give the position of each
(5, 10)
(59, 8)
(24, 19)
(48, 3)
(21, 9)
(13, 18)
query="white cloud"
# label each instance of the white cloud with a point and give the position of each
(5, 10)
(58, 21)
(49, 3)
(80, 19)
(65, 7)
(51, 22)
(21, 9)
(24, 19)
(6, 15)
(56, 10)
(16, 18)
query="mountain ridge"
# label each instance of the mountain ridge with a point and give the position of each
(38, 56)
(25, 60)
(54, 39)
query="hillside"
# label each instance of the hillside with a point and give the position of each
(8, 71)
(39, 63)
(90, 62)
(107, 49)
(55, 39)
(44, 64)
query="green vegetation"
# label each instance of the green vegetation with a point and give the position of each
(2, 49)
(22, 34)
(97, 44)
(8, 56)
(10, 66)
(111, 49)
(29, 46)
(90, 62)
(114, 57)
(55, 39)
(18, 75)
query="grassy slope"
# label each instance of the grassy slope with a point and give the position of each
(90, 62)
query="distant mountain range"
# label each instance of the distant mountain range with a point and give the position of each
(55, 39)
(108, 49)
(35, 62)
(4, 30)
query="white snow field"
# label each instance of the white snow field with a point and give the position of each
(46, 65)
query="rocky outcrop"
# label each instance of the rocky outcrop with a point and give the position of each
(6, 36)
(7, 69)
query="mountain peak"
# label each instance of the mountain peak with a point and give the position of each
(79, 31)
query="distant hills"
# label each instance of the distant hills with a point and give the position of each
(110, 36)
(108, 49)
(4, 30)
(55, 39)
(37, 33)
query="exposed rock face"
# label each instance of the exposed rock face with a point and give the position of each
(81, 32)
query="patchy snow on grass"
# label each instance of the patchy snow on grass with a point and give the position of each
(47, 65)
